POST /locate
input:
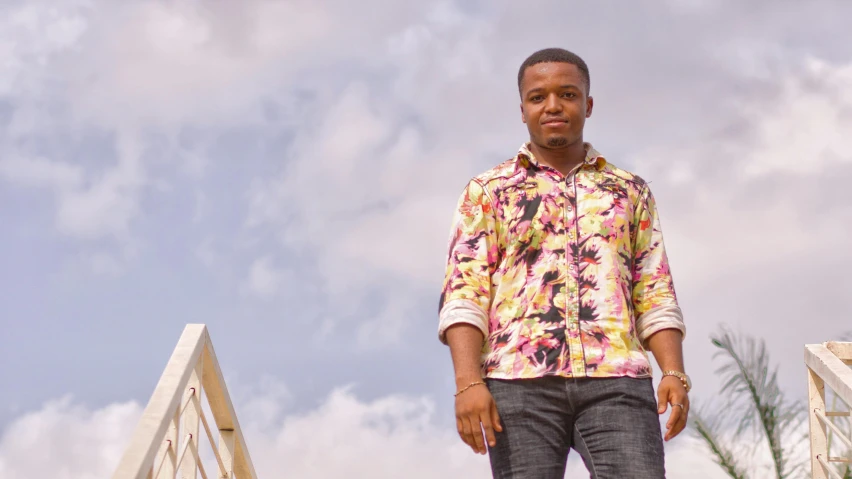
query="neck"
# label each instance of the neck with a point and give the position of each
(563, 159)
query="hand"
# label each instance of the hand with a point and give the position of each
(671, 391)
(475, 411)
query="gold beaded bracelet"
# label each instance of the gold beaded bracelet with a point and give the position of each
(476, 383)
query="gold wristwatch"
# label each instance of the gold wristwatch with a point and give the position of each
(687, 384)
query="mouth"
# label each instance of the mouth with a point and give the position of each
(554, 123)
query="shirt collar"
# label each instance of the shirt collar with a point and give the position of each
(593, 157)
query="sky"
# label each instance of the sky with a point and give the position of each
(285, 173)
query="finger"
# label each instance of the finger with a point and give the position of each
(678, 415)
(467, 434)
(675, 415)
(476, 432)
(495, 418)
(487, 427)
(679, 427)
(681, 424)
(460, 428)
(662, 395)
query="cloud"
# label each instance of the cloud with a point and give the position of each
(40, 172)
(87, 207)
(343, 436)
(107, 206)
(264, 280)
(804, 131)
(355, 132)
(149, 73)
(78, 442)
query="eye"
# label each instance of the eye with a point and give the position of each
(569, 94)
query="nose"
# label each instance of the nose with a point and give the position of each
(552, 104)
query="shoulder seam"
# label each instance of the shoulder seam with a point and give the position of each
(486, 191)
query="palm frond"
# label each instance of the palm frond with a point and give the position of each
(752, 388)
(722, 455)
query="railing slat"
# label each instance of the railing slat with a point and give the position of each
(837, 432)
(187, 441)
(210, 436)
(834, 474)
(193, 446)
(139, 456)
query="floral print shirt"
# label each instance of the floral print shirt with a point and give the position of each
(565, 275)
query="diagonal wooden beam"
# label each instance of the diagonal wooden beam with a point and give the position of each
(213, 383)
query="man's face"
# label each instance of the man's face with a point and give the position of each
(554, 104)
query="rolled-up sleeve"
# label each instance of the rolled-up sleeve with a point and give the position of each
(466, 293)
(654, 299)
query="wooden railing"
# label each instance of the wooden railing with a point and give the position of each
(828, 365)
(166, 441)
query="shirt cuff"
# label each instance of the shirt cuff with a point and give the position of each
(462, 311)
(657, 319)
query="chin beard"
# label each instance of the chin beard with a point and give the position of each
(556, 142)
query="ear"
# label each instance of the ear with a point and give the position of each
(590, 103)
(523, 116)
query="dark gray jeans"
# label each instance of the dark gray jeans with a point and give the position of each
(612, 422)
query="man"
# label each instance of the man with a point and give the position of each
(557, 283)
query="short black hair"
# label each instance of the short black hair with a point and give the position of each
(557, 55)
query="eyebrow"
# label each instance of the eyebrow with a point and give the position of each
(563, 87)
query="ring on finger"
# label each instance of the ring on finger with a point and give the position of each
(679, 405)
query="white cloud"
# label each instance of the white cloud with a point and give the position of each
(264, 279)
(806, 128)
(33, 35)
(108, 205)
(89, 206)
(132, 67)
(40, 172)
(752, 194)
(205, 253)
(342, 437)
(64, 440)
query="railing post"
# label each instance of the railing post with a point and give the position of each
(816, 402)
(226, 451)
